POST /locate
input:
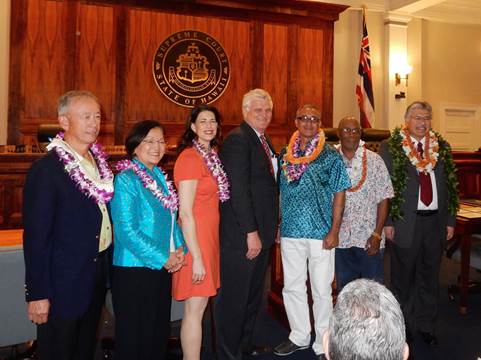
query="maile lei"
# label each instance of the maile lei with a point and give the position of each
(169, 201)
(295, 162)
(213, 163)
(100, 190)
(402, 149)
(356, 166)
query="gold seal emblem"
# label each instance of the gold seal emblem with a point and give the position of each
(191, 68)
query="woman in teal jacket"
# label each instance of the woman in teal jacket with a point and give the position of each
(148, 246)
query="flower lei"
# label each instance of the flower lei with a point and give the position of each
(399, 174)
(362, 179)
(431, 143)
(293, 164)
(170, 201)
(101, 191)
(211, 159)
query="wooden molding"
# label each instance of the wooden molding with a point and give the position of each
(284, 11)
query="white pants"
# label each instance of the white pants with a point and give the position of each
(297, 255)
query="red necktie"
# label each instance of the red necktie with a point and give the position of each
(268, 153)
(425, 182)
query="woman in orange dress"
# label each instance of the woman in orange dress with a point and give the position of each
(201, 182)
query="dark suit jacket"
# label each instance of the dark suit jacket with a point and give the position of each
(404, 228)
(254, 194)
(62, 227)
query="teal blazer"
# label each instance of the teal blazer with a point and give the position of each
(142, 226)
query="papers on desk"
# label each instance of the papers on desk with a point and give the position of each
(469, 210)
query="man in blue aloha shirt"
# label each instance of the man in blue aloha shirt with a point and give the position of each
(313, 181)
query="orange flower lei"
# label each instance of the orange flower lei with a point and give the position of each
(431, 155)
(304, 159)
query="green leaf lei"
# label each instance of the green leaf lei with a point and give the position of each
(399, 175)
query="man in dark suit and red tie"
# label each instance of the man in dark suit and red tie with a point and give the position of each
(68, 233)
(248, 227)
(422, 215)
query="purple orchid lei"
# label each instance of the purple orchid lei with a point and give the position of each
(211, 159)
(170, 201)
(100, 191)
(293, 172)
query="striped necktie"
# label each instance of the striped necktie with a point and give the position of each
(267, 150)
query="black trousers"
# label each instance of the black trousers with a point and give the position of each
(142, 300)
(415, 274)
(75, 339)
(239, 300)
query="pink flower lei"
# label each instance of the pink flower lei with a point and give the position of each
(170, 201)
(100, 191)
(211, 159)
(293, 172)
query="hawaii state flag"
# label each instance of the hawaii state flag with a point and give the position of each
(365, 97)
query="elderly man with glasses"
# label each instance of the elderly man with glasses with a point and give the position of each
(360, 252)
(312, 182)
(421, 217)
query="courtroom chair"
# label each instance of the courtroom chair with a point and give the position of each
(15, 329)
(372, 137)
(46, 132)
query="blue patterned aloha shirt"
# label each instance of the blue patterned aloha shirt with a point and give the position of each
(306, 204)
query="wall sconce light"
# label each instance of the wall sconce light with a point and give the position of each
(402, 74)
(398, 78)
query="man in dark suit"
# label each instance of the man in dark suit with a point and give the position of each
(422, 215)
(249, 223)
(68, 233)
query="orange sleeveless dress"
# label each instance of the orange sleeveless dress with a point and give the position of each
(190, 166)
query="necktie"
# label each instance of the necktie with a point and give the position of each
(425, 182)
(267, 150)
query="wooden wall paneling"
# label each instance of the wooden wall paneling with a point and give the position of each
(143, 100)
(275, 77)
(146, 31)
(311, 63)
(236, 38)
(14, 221)
(18, 18)
(328, 74)
(45, 73)
(292, 70)
(121, 24)
(256, 43)
(96, 58)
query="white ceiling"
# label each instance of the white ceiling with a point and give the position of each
(453, 11)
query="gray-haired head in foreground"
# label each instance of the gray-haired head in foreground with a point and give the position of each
(421, 105)
(64, 101)
(367, 324)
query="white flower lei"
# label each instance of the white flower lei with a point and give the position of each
(355, 170)
(101, 189)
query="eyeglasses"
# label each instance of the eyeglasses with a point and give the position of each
(308, 118)
(353, 131)
(421, 118)
(151, 142)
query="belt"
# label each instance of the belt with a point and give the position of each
(426, 212)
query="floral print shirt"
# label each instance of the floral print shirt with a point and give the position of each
(360, 210)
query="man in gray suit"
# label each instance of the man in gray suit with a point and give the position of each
(422, 215)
